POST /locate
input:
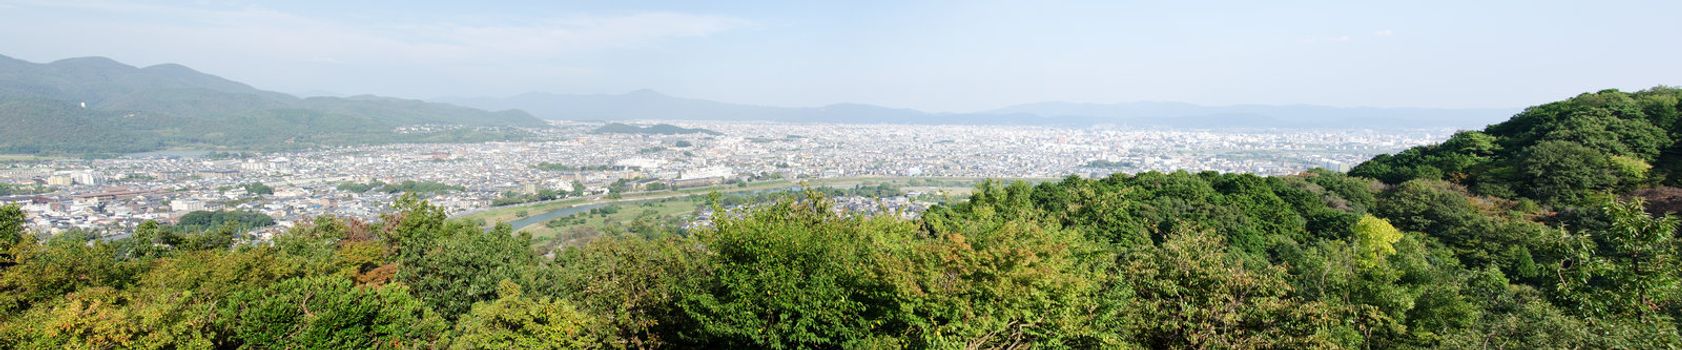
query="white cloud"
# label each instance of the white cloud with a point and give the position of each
(1384, 33)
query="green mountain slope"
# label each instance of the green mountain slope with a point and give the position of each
(1560, 153)
(656, 129)
(130, 109)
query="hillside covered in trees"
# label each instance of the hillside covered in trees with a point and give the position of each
(1529, 234)
(96, 105)
(1557, 153)
(656, 129)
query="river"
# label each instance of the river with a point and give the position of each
(557, 213)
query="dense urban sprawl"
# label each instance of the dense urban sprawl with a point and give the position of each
(116, 194)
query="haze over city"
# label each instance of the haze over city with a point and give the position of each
(931, 55)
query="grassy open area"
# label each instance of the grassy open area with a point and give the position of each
(24, 157)
(677, 205)
(568, 229)
(509, 213)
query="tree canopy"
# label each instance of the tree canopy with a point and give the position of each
(1524, 235)
(1556, 153)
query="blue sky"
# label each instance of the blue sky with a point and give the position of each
(932, 55)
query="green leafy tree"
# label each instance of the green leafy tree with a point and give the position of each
(464, 267)
(201, 220)
(1631, 269)
(968, 281)
(12, 223)
(790, 276)
(1191, 292)
(453, 264)
(12, 234)
(1519, 157)
(634, 284)
(329, 312)
(258, 188)
(1375, 240)
(149, 240)
(515, 321)
(1562, 172)
(67, 262)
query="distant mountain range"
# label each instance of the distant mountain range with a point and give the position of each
(647, 104)
(97, 105)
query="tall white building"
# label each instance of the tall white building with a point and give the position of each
(85, 178)
(702, 173)
(186, 205)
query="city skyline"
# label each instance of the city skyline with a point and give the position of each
(115, 195)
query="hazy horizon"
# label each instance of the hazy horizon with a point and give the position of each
(938, 57)
(457, 99)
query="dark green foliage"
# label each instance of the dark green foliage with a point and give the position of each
(1463, 258)
(1564, 172)
(56, 126)
(1473, 230)
(66, 262)
(966, 281)
(11, 226)
(220, 237)
(544, 194)
(883, 190)
(516, 321)
(656, 129)
(421, 187)
(203, 220)
(1318, 260)
(452, 265)
(150, 240)
(131, 109)
(1258, 214)
(329, 312)
(1556, 153)
(1631, 268)
(257, 189)
(634, 284)
(1192, 292)
(12, 190)
(807, 287)
(794, 275)
(464, 267)
(357, 187)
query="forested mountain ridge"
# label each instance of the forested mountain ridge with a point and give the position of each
(1153, 260)
(97, 105)
(1557, 153)
(656, 129)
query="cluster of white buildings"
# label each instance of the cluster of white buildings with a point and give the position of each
(119, 193)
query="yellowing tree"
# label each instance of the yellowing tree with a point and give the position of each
(1375, 240)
